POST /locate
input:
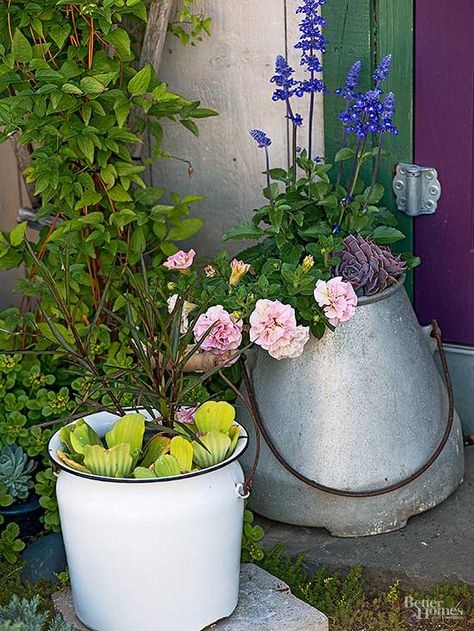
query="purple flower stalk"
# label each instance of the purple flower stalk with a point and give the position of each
(283, 80)
(352, 81)
(311, 43)
(260, 138)
(263, 142)
(383, 69)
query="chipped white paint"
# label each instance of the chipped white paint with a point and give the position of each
(230, 72)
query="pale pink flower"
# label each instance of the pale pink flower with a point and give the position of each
(180, 261)
(186, 414)
(292, 348)
(270, 322)
(239, 269)
(338, 299)
(225, 334)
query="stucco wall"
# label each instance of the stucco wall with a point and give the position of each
(230, 73)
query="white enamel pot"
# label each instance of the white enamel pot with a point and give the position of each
(152, 555)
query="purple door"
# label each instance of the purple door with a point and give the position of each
(444, 107)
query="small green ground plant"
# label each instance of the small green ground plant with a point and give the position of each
(353, 604)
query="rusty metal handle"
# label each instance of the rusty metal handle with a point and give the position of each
(260, 429)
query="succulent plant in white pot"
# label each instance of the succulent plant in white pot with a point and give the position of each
(150, 490)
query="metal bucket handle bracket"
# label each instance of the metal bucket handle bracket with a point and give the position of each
(261, 430)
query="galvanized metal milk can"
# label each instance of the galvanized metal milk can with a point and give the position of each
(362, 409)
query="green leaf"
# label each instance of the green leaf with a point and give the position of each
(155, 448)
(92, 86)
(243, 231)
(81, 435)
(167, 466)
(214, 415)
(121, 40)
(185, 229)
(276, 217)
(191, 125)
(278, 174)
(70, 88)
(86, 145)
(46, 332)
(59, 34)
(385, 234)
(116, 462)
(376, 194)
(123, 217)
(216, 446)
(139, 84)
(17, 235)
(344, 154)
(129, 430)
(144, 473)
(122, 110)
(21, 47)
(203, 112)
(89, 198)
(118, 194)
(182, 450)
(411, 261)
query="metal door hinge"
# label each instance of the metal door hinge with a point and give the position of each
(417, 189)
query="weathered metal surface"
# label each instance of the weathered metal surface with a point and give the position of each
(417, 189)
(363, 408)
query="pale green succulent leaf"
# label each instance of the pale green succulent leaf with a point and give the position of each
(129, 430)
(155, 448)
(116, 462)
(234, 433)
(82, 435)
(65, 436)
(167, 466)
(71, 463)
(144, 472)
(217, 445)
(182, 450)
(215, 415)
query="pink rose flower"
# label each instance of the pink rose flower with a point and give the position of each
(292, 348)
(338, 299)
(225, 335)
(180, 261)
(272, 322)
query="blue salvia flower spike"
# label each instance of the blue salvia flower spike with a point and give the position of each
(382, 71)
(351, 82)
(260, 138)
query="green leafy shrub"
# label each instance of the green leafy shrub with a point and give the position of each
(70, 88)
(10, 544)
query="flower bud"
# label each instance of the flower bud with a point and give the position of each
(171, 286)
(239, 269)
(210, 271)
(308, 263)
